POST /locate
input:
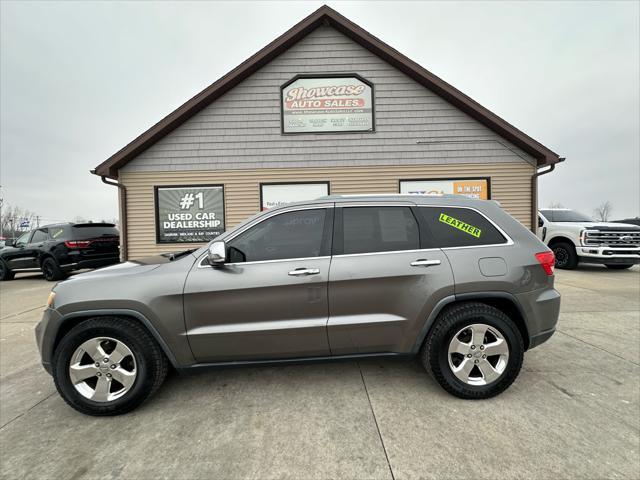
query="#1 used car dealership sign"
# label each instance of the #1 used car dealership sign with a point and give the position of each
(189, 213)
(327, 104)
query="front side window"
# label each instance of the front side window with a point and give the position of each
(379, 229)
(297, 234)
(566, 216)
(23, 239)
(459, 227)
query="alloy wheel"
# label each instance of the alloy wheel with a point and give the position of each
(562, 257)
(478, 354)
(102, 369)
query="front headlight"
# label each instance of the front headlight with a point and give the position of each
(52, 296)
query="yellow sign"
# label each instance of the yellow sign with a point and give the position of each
(460, 225)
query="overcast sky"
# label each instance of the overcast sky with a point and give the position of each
(79, 80)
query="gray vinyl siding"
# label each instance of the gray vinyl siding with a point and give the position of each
(241, 130)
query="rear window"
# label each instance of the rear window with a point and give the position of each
(459, 227)
(81, 232)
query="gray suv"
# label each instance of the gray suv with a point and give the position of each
(456, 281)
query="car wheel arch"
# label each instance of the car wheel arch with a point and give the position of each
(559, 239)
(503, 301)
(69, 321)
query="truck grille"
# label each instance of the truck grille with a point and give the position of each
(612, 239)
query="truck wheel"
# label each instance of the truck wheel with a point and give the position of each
(5, 273)
(566, 256)
(617, 266)
(51, 270)
(108, 366)
(474, 351)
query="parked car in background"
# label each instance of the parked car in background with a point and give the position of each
(59, 249)
(575, 237)
(456, 281)
(630, 221)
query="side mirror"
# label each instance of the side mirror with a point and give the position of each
(540, 222)
(217, 254)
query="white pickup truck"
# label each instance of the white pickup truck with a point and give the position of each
(574, 237)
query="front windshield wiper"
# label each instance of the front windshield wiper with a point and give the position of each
(176, 255)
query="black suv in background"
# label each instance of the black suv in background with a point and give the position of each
(61, 248)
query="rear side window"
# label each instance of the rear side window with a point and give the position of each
(379, 229)
(39, 236)
(459, 227)
(57, 233)
(85, 232)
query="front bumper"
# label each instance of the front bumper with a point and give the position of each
(45, 337)
(610, 255)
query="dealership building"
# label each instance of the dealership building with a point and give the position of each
(326, 108)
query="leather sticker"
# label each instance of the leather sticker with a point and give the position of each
(460, 225)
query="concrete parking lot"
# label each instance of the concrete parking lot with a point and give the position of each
(574, 412)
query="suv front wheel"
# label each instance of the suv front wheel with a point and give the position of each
(474, 351)
(108, 366)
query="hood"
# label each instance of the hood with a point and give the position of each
(132, 267)
(610, 226)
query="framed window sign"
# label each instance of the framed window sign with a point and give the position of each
(278, 194)
(327, 104)
(479, 188)
(189, 213)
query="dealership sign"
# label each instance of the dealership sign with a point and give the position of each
(469, 187)
(189, 213)
(327, 104)
(278, 194)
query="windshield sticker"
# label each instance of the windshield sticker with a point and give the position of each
(464, 227)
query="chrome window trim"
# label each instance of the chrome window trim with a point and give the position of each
(257, 262)
(389, 252)
(508, 243)
(261, 219)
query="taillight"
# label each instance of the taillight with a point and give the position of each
(547, 260)
(78, 243)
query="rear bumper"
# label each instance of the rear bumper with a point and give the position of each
(610, 255)
(91, 263)
(541, 310)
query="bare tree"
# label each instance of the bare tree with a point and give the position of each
(602, 212)
(13, 219)
(555, 205)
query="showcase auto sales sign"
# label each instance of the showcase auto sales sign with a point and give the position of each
(327, 104)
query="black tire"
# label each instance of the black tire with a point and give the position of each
(434, 353)
(151, 364)
(566, 256)
(618, 266)
(5, 273)
(51, 270)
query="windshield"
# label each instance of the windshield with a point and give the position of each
(565, 216)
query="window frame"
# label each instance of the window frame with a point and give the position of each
(327, 234)
(338, 228)
(310, 182)
(43, 230)
(430, 239)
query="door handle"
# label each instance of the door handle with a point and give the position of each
(425, 263)
(301, 272)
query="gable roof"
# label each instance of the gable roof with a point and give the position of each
(325, 16)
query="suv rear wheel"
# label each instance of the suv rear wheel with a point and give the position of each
(51, 270)
(474, 351)
(108, 366)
